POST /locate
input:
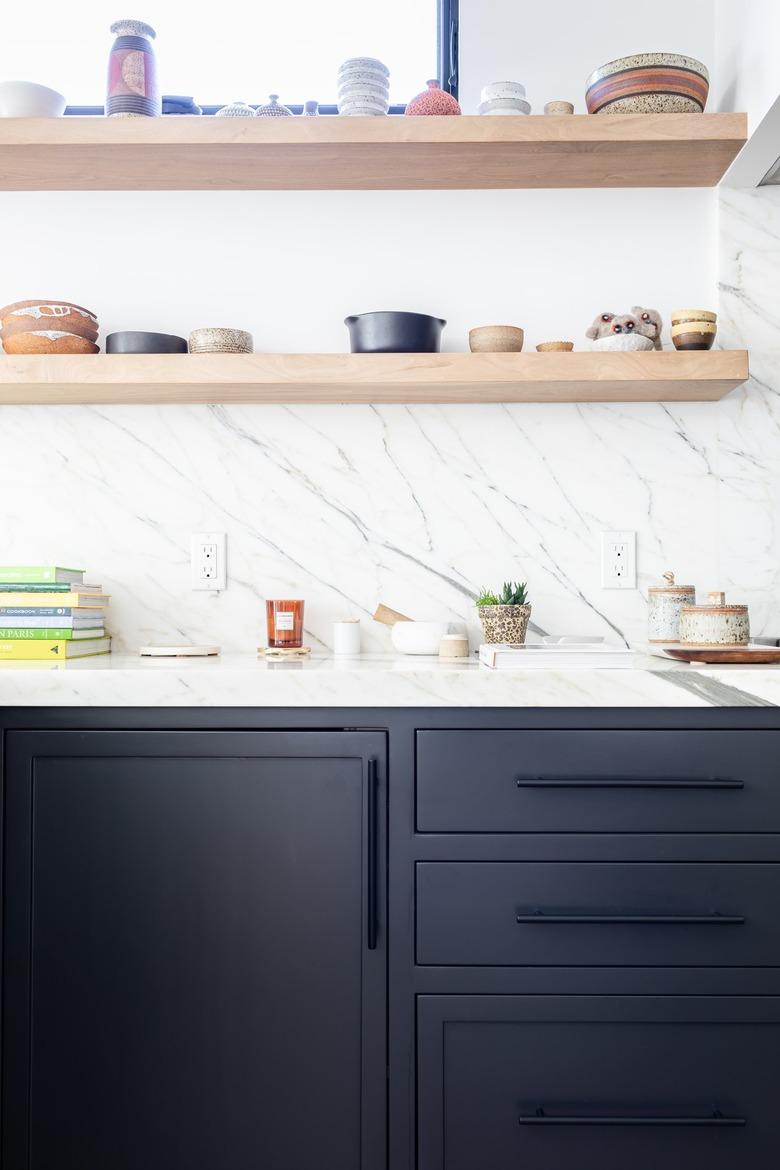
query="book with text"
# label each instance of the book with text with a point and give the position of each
(77, 598)
(42, 634)
(14, 651)
(40, 574)
(535, 655)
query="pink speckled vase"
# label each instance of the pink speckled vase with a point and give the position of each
(433, 101)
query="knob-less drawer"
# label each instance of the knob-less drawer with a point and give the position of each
(598, 781)
(598, 1083)
(606, 914)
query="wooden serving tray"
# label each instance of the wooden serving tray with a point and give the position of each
(757, 655)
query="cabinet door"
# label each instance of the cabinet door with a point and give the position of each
(195, 954)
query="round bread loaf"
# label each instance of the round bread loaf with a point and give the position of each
(48, 341)
(33, 316)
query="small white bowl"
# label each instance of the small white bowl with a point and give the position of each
(26, 99)
(502, 89)
(504, 106)
(423, 637)
(623, 343)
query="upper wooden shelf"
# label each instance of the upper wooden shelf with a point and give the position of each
(372, 378)
(394, 153)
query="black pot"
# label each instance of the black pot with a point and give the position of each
(136, 341)
(394, 333)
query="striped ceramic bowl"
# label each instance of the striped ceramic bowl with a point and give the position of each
(649, 83)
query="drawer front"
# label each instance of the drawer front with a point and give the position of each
(598, 1083)
(598, 781)
(606, 914)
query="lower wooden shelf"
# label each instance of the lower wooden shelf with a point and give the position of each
(372, 378)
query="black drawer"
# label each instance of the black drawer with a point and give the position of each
(598, 1083)
(598, 781)
(610, 914)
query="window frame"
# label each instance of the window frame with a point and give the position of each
(447, 19)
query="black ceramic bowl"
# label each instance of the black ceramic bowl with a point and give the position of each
(135, 341)
(394, 333)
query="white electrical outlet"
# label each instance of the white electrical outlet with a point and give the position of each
(618, 560)
(209, 560)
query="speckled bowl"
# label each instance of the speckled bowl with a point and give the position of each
(648, 83)
(219, 340)
(622, 343)
(496, 339)
(504, 106)
(555, 347)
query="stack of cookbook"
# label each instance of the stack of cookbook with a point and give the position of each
(48, 613)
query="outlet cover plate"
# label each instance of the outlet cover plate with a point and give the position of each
(618, 560)
(209, 561)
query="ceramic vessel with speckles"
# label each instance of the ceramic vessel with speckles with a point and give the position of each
(504, 624)
(648, 83)
(715, 624)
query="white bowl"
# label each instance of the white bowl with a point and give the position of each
(372, 64)
(623, 342)
(26, 99)
(504, 106)
(423, 637)
(502, 89)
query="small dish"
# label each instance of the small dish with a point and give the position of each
(555, 347)
(139, 341)
(220, 340)
(496, 339)
(557, 108)
(757, 655)
(622, 343)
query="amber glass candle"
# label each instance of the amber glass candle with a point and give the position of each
(284, 621)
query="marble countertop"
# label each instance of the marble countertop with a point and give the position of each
(243, 680)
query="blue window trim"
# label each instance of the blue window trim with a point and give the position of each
(447, 61)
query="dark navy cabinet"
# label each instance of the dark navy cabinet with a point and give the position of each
(390, 939)
(195, 950)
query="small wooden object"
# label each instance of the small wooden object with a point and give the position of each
(283, 651)
(453, 646)
(724, 655)
(388, 616)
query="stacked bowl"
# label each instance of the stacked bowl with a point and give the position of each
(503, 97)
(363, 87)
(648, 83)
(48, 327)
(694, 328)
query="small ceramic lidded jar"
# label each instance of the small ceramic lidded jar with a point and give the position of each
(133, 91)
(715, 624)
(273, 109)
(664, 603)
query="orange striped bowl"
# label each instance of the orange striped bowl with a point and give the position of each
(648, 83)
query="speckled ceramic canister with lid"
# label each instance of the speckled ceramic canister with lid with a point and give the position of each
(664, 604)
(715, 623)
(133, 91)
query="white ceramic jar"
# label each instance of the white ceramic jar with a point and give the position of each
(346, 637)
(715, 624)
(664, 605)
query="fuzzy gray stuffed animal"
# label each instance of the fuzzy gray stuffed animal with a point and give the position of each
(608, 323)
(649, 324)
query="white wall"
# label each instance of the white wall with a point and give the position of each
(747, 54)
(347, 505)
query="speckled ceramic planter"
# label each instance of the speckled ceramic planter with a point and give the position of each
(219, 340)
(648, 83)
(504, 623)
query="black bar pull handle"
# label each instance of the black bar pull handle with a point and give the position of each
(705, 784)
(542, 918)
(372, 857)
(714, 1119)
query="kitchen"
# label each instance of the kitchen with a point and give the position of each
(247, 878)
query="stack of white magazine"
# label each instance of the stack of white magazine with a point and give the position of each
(591, 656)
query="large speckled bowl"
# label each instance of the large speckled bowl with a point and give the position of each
(648, 83)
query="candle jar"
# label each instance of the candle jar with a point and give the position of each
(284, 620)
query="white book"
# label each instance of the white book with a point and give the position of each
(565, 657)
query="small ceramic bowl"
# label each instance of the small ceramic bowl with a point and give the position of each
(26, 99)
(555, 347)
(681, 315)
(648, 83)
(423, 637)
(504, 106)
(235, 110)
(496, 339)
(623, 343)
(139, 341)
(559, 108)
(694, 334)
(219, 340)
(502, 89)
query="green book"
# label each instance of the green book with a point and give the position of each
(28, 633)
(40, 575)
(7, 586)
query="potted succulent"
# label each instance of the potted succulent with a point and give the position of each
(504, 616)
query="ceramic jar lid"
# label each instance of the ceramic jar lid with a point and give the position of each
(670, 586)
(133, 28)
(716, 604)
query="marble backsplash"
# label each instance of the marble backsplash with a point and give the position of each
(419, 506)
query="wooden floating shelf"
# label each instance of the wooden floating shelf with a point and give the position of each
(394, 153)
(372, 378)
